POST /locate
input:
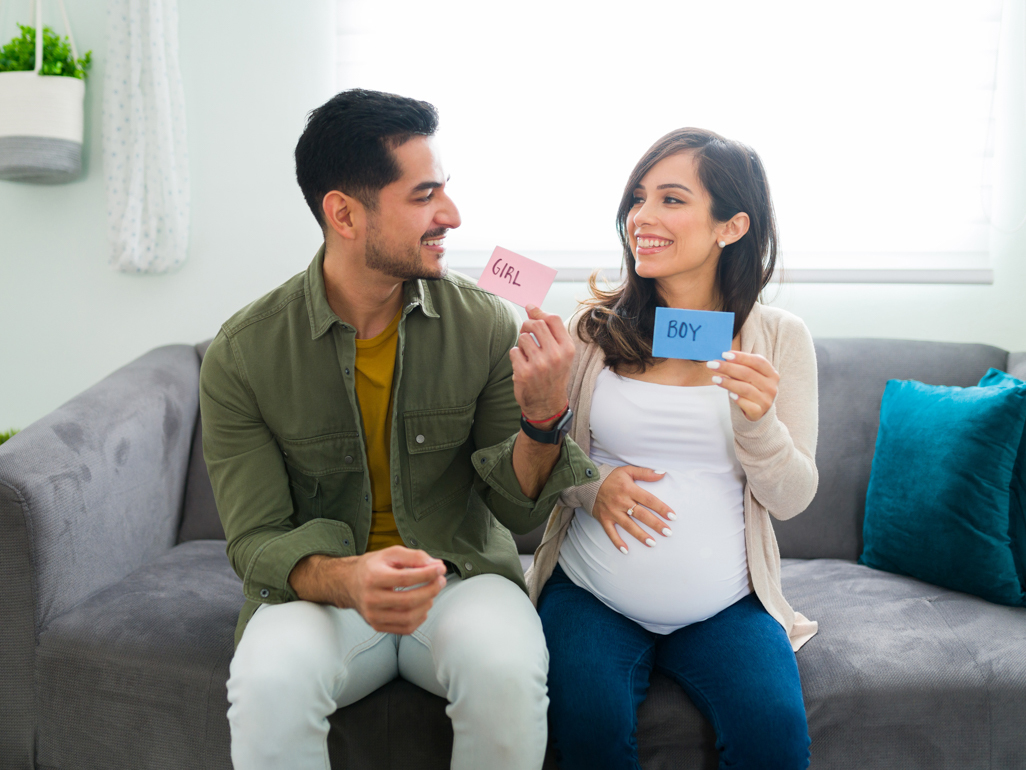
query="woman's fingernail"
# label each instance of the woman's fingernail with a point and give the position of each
(661, 473)
(671, 515)
(734, 396)
(713, 364)
(623, 549)
(717, 380)
(667, 532)
(729, 356)
(650, 542)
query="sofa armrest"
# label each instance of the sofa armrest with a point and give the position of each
(87, 494)
(94, 490)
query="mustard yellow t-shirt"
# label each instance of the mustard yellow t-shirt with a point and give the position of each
(375, 363)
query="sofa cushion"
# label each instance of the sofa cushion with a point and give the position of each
(939, 493)
(905, 674)
(135, 675)
(852, 377)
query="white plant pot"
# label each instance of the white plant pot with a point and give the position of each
(41, 124)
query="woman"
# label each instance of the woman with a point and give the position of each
(677, 568)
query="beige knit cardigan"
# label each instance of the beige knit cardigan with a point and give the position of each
(777, 452)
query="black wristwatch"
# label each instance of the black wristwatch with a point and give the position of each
(552, 436)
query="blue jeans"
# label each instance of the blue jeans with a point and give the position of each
(737, 667)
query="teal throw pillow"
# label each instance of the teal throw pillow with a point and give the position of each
(940, 490)
(1017, 506)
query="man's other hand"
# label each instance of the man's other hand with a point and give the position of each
(392, 589)
(541, 365)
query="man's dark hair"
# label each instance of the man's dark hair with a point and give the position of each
(348, 142)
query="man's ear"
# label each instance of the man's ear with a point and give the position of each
(343, 213)
(734, 229)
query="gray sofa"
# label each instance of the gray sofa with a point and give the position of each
(116, 630)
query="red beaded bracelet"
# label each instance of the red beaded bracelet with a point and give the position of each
(547, 419)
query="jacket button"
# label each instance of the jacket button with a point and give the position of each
(413, 542)
(420, 439)
(588, 472)
(347, 370)
(349, 459)
(345, 542)
(397, 479)
(264, 593)
(366, 498)
(469, 566)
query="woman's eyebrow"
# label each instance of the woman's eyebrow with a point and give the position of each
(678, 186)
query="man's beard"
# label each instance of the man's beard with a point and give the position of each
(398, 262)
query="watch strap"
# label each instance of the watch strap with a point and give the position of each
(552, 436)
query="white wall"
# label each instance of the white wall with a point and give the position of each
(251, 73)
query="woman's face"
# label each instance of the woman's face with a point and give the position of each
(670, 227)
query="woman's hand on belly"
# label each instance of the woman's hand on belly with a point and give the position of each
(619, 494)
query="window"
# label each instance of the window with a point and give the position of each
(872, 118)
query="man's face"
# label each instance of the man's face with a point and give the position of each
(406, 230)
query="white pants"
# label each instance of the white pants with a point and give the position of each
(481, 648)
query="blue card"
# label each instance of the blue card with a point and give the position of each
(697, 335)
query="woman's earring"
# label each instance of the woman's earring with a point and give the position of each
(722, 244)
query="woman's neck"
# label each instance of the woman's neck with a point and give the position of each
(683, 291)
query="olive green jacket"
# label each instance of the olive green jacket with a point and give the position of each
(284, 444)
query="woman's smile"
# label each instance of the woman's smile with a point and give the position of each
(648, 245)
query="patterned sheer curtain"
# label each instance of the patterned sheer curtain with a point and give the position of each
(145, 159)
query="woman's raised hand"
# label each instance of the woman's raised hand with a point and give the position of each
(751, 380)
(621, 501)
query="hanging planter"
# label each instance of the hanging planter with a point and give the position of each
(41, 109)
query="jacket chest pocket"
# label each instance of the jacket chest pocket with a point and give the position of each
(319, 475)
(438, 441)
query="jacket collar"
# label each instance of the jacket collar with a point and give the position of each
(322, 317)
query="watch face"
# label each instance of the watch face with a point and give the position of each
(563, 426)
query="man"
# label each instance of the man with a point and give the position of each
(360, 429)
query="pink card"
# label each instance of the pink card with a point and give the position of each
(520, 280)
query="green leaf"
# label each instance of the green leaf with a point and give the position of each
(20, 55)
(7, 435)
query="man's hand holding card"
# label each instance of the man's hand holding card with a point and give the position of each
(544, 351)
(541, 366)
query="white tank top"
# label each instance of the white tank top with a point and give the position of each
(703, 567)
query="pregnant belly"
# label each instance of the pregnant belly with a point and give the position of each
(685, 578)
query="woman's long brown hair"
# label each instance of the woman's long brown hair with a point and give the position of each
(621, 320)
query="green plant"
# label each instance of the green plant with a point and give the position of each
(20, 54)
(7, 435)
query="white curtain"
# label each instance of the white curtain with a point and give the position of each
(145, 159)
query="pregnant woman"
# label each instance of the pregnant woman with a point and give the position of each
(669, 561)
